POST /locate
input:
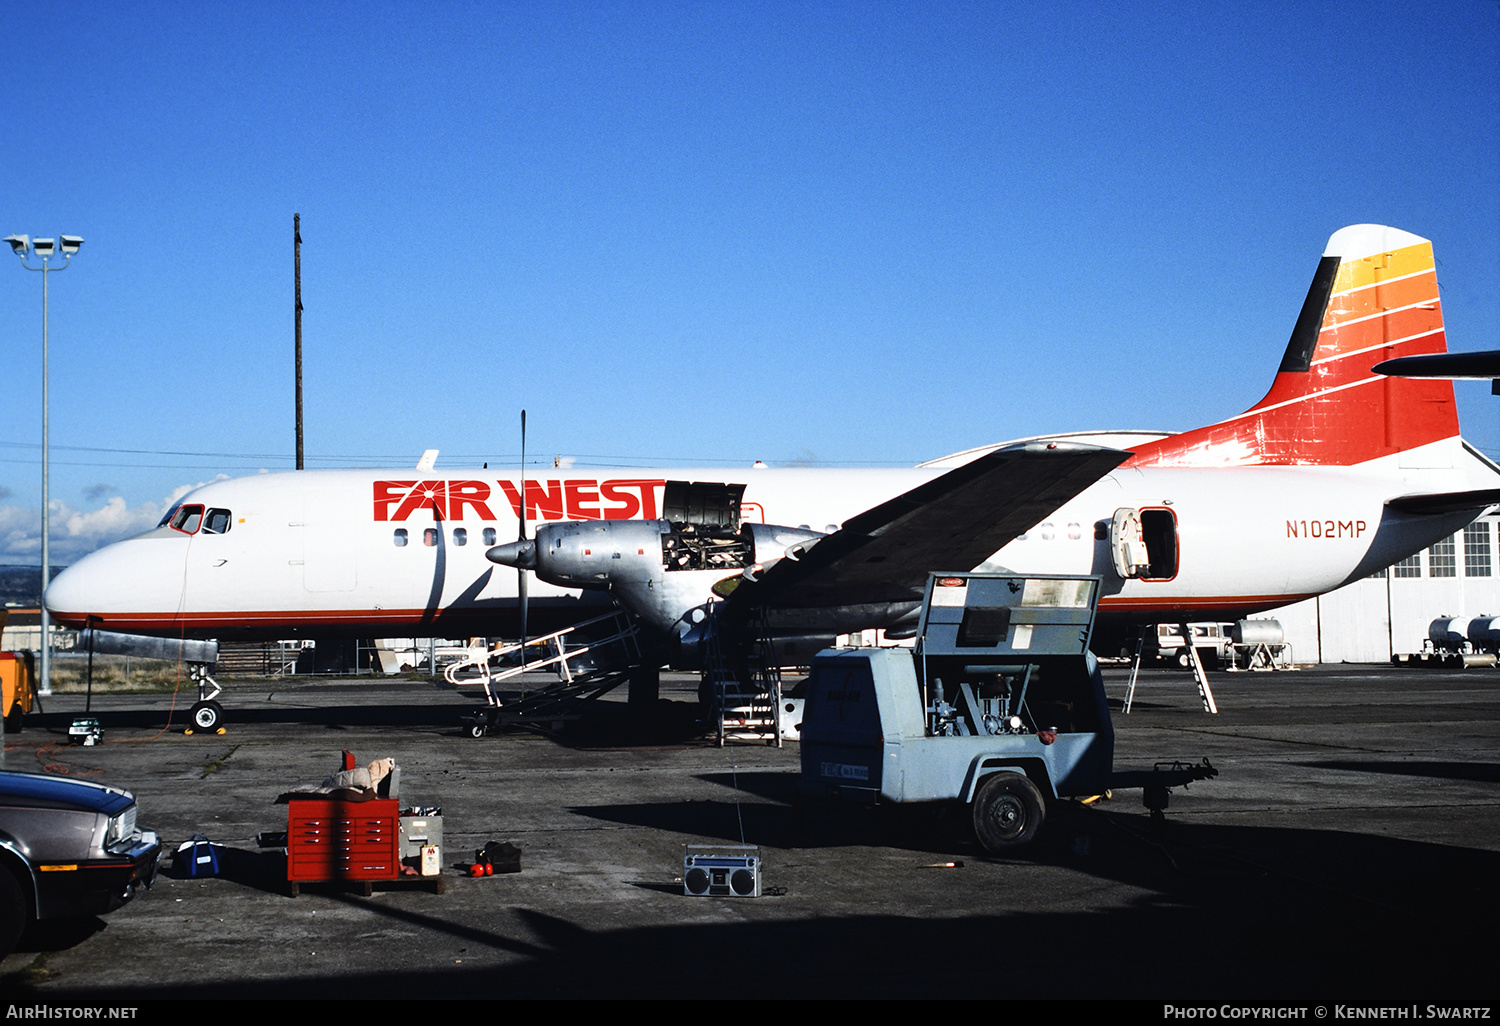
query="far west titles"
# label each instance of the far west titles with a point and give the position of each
(1325, 528)
(565, 499)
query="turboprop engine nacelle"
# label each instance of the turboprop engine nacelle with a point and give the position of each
(659, 570)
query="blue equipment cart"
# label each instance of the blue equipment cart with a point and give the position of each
(1000, 706)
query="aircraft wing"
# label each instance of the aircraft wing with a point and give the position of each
(1431, 504)
(953, 522)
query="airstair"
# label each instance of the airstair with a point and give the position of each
(591, 658)
(744, 694)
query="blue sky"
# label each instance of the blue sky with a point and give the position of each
(698, 233)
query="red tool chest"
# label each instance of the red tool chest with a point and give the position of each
(332, 840)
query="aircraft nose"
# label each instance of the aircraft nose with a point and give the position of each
(118, 582)
(521, 554)
(68, 593)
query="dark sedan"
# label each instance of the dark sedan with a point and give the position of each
(67, 848)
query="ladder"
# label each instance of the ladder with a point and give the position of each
(1194, 663)
(746, 695)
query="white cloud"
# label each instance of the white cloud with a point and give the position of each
(76, 532)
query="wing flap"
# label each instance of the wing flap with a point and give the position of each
(953, 522)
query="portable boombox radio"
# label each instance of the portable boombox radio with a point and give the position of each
(721, 871)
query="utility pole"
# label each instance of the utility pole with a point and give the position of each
(297, 274)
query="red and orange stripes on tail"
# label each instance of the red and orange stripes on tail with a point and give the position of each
(1374, 298)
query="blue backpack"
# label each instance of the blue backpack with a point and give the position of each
(196, 856)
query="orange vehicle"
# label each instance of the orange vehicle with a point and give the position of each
(17, 685)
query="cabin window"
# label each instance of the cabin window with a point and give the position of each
(460, 536)
(217, 521)
(489, 536)
(400, 537)
(188, 519)
(430, 537)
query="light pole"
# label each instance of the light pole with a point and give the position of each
(44, 250)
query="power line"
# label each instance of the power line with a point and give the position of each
(456, 459)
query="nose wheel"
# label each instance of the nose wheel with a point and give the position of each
(207, 716)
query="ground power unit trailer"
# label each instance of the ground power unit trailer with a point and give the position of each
(1000, 706)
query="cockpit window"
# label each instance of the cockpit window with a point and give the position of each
(187, 519)
(217, 521)
(169, 514)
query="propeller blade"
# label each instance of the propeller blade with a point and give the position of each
(523, 476)
(524, 601)
(521, 583)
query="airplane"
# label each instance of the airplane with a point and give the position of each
(1335, 474)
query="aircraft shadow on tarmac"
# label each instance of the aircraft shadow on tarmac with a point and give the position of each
(779, 819)
(1478, 772)
(397, 715)
(1223, 913)
(1116, 841)
(1210, 911)
(611, 723)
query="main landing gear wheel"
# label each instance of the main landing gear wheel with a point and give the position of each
(207, 715)
(1007, 812)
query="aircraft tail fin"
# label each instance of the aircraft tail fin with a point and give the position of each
(1374, 297)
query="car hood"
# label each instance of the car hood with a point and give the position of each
(39, 789)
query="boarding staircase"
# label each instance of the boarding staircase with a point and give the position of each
(590, 658)
(744, 694)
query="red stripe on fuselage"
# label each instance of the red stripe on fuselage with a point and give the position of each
(263, 618)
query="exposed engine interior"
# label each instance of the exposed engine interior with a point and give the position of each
(706, 533)
(690, 546)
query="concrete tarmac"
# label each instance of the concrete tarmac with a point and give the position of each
(1347, 852)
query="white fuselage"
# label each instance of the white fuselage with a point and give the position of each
(393, 553)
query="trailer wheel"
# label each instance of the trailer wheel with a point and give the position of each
(1008, 810)
(477, 730)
